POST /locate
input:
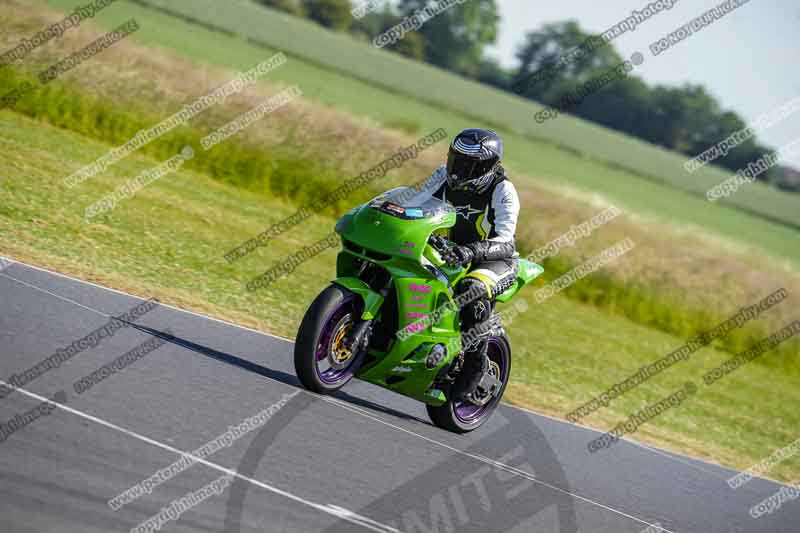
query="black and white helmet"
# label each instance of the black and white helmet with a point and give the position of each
(472, 160)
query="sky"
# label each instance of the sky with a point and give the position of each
(749, 60)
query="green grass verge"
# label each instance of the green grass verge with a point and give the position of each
(281, 169)
(166, 241)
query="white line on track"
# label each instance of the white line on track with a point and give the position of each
(347, 515)
(671, 455)
(123, 293)
(489, 461)
(330, 509)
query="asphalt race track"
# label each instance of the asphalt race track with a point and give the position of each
(365, 460)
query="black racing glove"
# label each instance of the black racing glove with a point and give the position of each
(458, 255)
(491, 250)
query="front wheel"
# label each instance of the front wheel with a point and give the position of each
(322, 361)
(462, 417)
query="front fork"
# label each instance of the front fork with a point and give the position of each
(358, 338)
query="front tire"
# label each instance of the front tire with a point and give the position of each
(322, 363)
(463, 417)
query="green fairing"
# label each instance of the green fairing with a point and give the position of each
(400, 246)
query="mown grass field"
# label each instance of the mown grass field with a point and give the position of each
(164, 242)
(344, 73)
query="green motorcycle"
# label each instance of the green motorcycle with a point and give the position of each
(390, 316)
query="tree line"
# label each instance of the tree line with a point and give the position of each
(686, 119)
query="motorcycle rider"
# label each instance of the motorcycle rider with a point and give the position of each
(487, 206)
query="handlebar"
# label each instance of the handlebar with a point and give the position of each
(439, 243)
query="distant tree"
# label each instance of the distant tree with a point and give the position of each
(542, 49)
(691, 121)
(686, 119)
(412, 44)
(370, 25)
(491, 73)
(623, 105)
(725, 124)
(295, 7)
(455, 38)
(333, 14)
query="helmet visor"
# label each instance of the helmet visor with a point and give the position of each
(462, 168)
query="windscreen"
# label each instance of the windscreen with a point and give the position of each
(406, 202)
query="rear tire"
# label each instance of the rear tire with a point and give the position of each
(464, 417)
(330, 316)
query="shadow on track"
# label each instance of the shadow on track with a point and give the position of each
(277, 375)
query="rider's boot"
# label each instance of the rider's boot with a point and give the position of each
(476, 364)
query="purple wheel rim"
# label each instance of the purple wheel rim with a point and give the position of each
(332, 376)
(469, 413)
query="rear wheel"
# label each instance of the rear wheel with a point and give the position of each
(462, 417)
(322, 361)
